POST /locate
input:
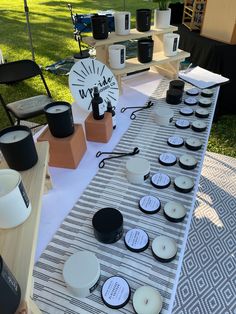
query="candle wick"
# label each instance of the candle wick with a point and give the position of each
(146, 301)
(14, 137)
(174, 209)
(164, 247)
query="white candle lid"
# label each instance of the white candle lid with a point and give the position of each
(193, 91)
(175, 141)
(164, 112)
(182, 123)
(138, 165)
(136, 240)
(167, 159)
(150, 204)
(186, 111)
(164, 247)
(160, 180)
(190, 100)
(144, 294)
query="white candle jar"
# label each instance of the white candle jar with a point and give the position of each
(137, 170)
(117, 56)
(122, 23)
(170, 44)
(163, 116)
(15, 206)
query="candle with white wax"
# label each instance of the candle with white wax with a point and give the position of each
(183, 184)
(164, 249)
(13, 136)
(182, 124)
(193, 143)
(187, 162)
(204, 102)
(160, 180)
(136, 240)
(175, 141)
(137, 170)
(149, 204)
(191, 101)
(202, 113)
(147, 300)
(186, 111)
(174, 211)
(192, 92)
(57, 109)
(199, 126)
(163, 116)
(167, 159)
(207, 92)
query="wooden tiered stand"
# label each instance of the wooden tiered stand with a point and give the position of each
(193, 14)
(18, 245)
(167, 66)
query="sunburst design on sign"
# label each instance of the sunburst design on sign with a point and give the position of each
(87, 73)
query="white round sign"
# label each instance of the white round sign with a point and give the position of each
(87, 73)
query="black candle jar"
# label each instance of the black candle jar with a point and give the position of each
(10, 290)
(145, 50)
(143, 20)
(108, 225)
(99, 26)
(177, 84)
(174, 96)
(59, 118)
(18, 148)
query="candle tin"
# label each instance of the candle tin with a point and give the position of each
(81, 273)
(207, 92)
(147, 300)
(99, 25)
(174, 96)
(199, 126)
(182, 124)
(19, 154)
(187, 162)
(15, 206)
(160, 180)
(143, 20)
(183, 184)
(177, 84)
(192, 92)
(174, 211)
(204, 102)
(136, 240)
(186, 111)
(108, 225)
(167, 159)
(191, 101)
(149, 204)
(163, 116)
(10, 290)
(193, 143)
(202, 113)
(115, 292)
(164, 249)
(59, 118)
(137, 170)
(175, 141)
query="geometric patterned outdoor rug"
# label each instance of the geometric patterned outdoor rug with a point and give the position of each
(207, 283)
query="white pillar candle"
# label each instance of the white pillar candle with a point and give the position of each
(192, 92)
(163, 116)
(137, 170)
(167, 159)
(15, 207)
(57, 109)
(186, 111)
(183, 184)
(174, 211)
(191, 101)
(199, 126)
(187, 162)
(13, 136)
(202, 113)
(170, 44)
(193, 143)
(182, 124)
(175, 141)
(149, 204)
(117, 56)
(81, 273)
(122, 23)
(136, 240)
(160, 180)
(164, 248)
(147, 300)
(204, 102)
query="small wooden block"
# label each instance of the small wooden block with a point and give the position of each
(65, 152)
(98, 130)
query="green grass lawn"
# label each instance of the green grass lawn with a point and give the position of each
(52, 34)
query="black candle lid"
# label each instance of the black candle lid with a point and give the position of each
(160, 180)
(182, 124)
(175, 141)
(115, 292)
(186, 111)
(108, 225)
(177, 84)
(149, 204)
(136, 240)
(167, 159)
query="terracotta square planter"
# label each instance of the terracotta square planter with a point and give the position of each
(99, 130)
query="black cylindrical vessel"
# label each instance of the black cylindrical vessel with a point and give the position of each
(143, 20)
(99, 26)
(145, 50)
(173, 96)
(59, 118)
(10, 290)
(18, 150)
(177, 84)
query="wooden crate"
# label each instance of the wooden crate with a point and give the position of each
(193, 13)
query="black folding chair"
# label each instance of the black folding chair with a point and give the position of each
(24, 109)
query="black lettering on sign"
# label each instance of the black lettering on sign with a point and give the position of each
(175, 44)
(24, 194)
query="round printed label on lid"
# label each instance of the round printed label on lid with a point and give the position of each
(115, 292)
(186, 111)
(136, 240)
(190, 101)
(167, 159)
(149, 204)
(160, 180)
(175, 141)
(182, 124)
(192, 92)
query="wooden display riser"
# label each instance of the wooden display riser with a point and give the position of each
(18, 245)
